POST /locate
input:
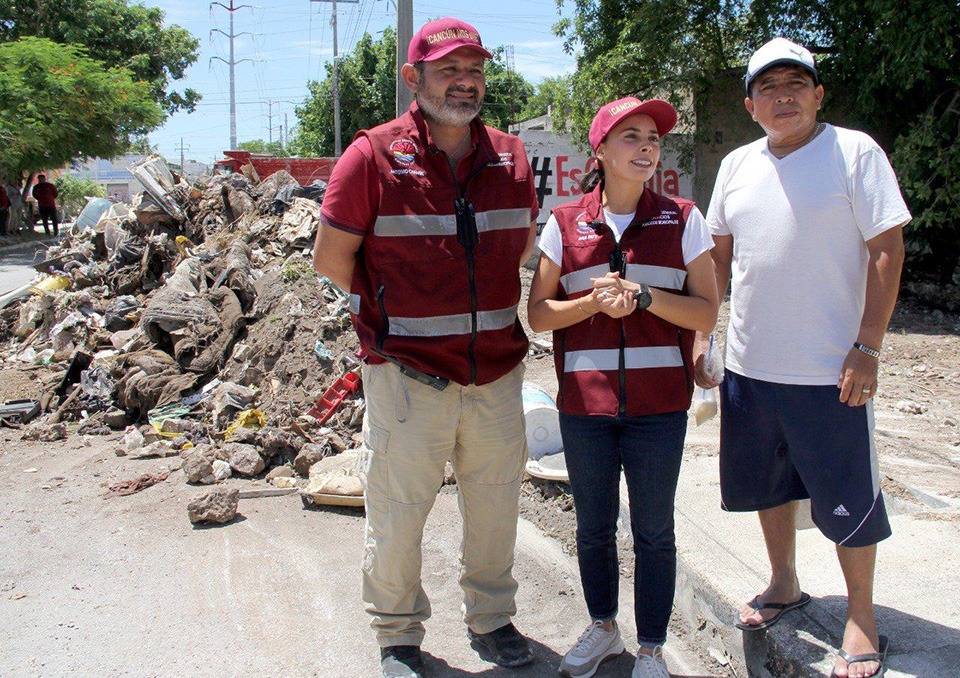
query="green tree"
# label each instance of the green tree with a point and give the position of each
(74, 191)
(261, 146)
(507, 93)
(368, 95)
(554, 95)
(116, 33)
(57, 105)
(895, 62)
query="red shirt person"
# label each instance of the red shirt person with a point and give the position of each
(46, 194)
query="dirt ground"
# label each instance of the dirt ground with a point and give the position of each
(917, 411)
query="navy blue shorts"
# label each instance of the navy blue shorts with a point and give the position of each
(783, 442)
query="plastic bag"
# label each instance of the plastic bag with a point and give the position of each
(705, 400)
(704, 404)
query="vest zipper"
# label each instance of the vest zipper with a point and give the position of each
(468, 238)
(618, 264)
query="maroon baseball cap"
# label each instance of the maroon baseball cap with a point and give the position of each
(440, 37)
(610, 115)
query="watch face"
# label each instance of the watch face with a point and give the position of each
(643, 297)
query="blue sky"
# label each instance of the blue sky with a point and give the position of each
(289, 42)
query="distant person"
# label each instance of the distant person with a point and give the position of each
(808, 221)
(46, 194)
(4, 209)
(427, 220)
(624, 280)
(16, 207)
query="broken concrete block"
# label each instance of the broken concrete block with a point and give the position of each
(309, 455)
(45, 433)
(221, 469)
(244, 459)
(196, 467)
(280, 472)
(217, 506)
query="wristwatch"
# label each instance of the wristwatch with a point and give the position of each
(643, 297)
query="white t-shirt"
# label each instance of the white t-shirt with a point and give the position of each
(799, 226)
(695, 241)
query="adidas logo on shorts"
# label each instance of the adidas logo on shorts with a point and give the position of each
(841, 511)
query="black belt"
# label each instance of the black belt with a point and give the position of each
(439, 383)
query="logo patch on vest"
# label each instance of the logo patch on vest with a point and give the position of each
(506, 160)
(586, 231)
(665, 218)
(404, 151)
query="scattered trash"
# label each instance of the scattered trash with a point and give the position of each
(192, 319)
(543, 421)
(135, 485)
(252, 419)
(333, 397)
(19, 411)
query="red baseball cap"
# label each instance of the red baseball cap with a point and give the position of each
(610, 115)
(440, 37)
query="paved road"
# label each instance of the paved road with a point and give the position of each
(16, 266)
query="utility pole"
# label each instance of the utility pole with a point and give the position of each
(286, 127)
(404, 36)
(182, 149)
(232, 63)
(337, 146)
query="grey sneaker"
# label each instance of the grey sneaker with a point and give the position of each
(594, 647)
(650, 665)
(401, 661)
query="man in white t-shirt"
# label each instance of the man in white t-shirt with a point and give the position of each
(808, 222)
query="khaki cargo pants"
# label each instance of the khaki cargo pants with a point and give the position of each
(410, 431)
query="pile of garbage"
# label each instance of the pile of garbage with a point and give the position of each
(192, 320)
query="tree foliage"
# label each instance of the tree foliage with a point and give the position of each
(74, 191)
(368, 94)
(896, 63)
(553, 95)
(57, 104)
(261, 146)
(116, 33)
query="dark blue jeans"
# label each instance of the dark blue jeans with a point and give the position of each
(649, 450)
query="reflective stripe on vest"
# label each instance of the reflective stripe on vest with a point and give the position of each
(446, 224)
(636, 358)
(355, 304)
(663, 277)
(458, 323)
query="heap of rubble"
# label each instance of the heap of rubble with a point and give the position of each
(193, 320)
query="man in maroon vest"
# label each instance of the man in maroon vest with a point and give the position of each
(426, 221)
(46, 194)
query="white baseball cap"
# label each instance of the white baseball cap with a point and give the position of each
(780, 52)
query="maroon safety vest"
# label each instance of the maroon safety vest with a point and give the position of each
(639, 364)
(428, 290)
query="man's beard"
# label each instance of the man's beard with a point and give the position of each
(447, 113)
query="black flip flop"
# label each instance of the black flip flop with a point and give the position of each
(880, 656)
(782, 608)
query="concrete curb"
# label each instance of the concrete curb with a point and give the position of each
(721, 562)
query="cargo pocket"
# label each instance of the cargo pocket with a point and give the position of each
(372, 463)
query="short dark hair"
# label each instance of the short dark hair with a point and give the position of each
(42, 176)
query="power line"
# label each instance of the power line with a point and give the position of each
(232, 64)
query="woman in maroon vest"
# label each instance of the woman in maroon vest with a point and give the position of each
(625, 281)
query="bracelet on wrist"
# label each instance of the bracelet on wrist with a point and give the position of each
(581, 307)
(872, 352)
